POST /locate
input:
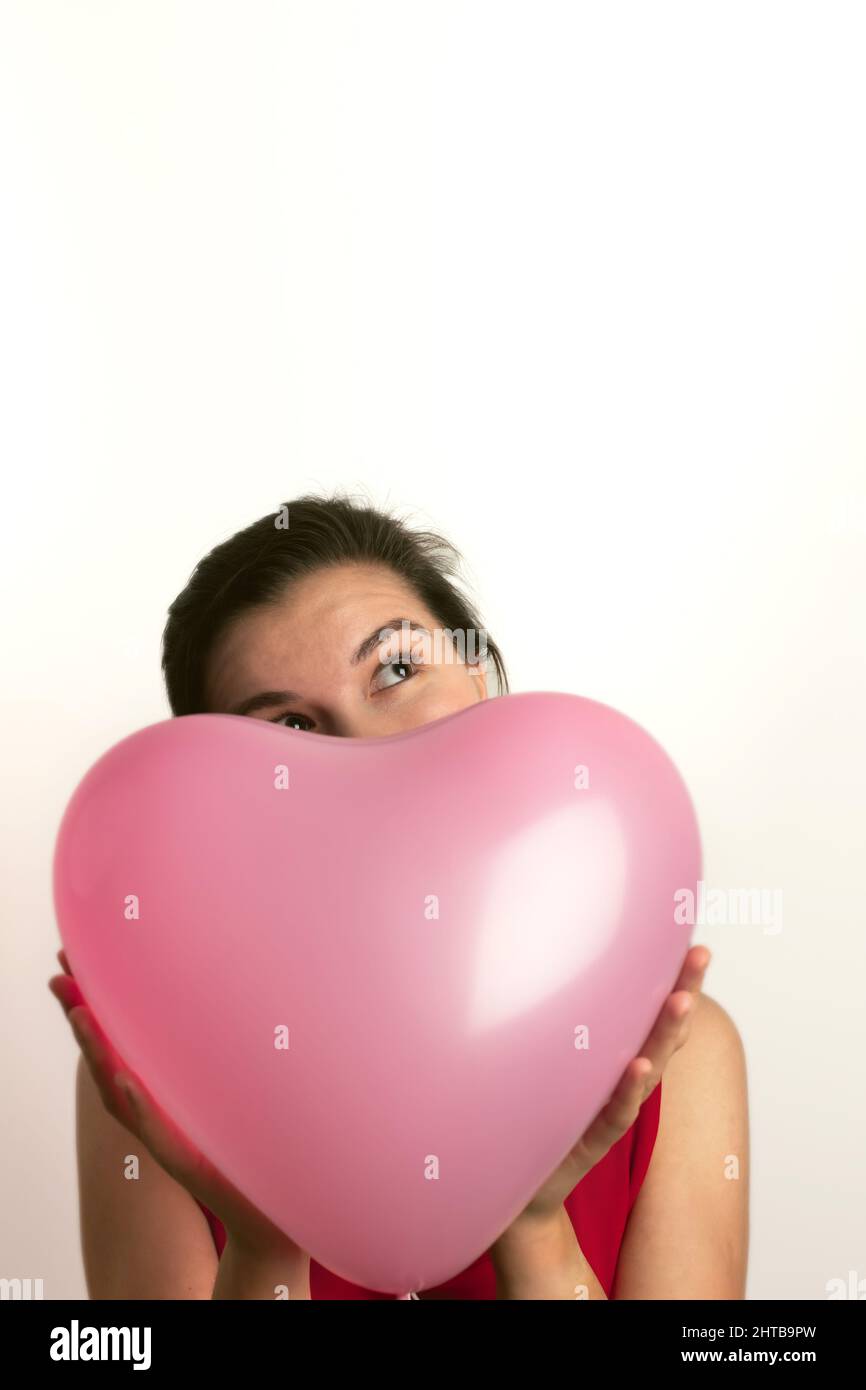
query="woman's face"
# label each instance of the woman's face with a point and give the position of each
(317, 660)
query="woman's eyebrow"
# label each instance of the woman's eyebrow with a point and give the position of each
(267, 699)
(379, 636)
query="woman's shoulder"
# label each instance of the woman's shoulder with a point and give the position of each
(702, 1095)
(694, 1199)
(709, 1065)
(713, 1039)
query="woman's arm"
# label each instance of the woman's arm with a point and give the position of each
(688, 1231)
(147, 1237)
(282, 1273)
(545, 1263)
(141, 1237)
(141, 1182)
(539, 1250)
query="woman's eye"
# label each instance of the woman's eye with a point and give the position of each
(293, 718)
(403, 663)
(406, 665)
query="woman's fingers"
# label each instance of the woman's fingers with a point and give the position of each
(125, 1098)
(121, 1093)
(156, 1131)
(66, 989)
(102, 1061)
(669, 1032)
(671, 1028)
(621, 1110)
(643, 1073)
(61, 956)
(694, 968)
(104, 1065)
(618, 1115)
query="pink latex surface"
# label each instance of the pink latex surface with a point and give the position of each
(430, 915)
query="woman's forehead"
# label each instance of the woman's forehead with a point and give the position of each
(313, 627)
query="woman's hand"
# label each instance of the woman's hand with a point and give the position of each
(641, 1076)
(246, 1227)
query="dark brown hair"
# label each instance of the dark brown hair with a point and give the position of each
(259, 563)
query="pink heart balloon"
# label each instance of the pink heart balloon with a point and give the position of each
(364, 972)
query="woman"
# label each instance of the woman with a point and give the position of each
(284, 622)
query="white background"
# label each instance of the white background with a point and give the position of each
(580, 284)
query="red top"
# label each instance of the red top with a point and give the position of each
(599, 1208)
